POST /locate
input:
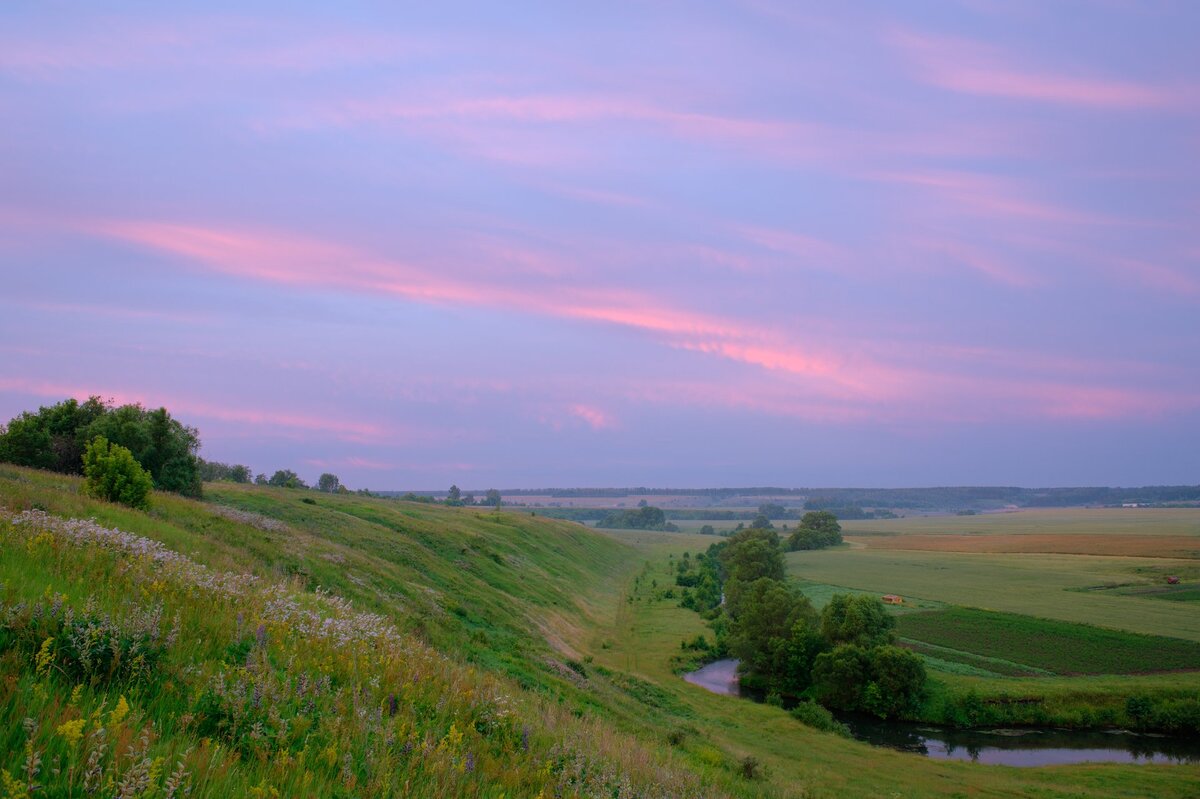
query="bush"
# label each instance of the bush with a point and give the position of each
(817, 717)
(111, 473)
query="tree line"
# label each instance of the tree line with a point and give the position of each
(124, 451)
(844, 657)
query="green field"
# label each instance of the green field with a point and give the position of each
(1033, 584)
(1060, 521)
(1055, 646)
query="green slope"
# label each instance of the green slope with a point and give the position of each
(351, 647)
(385, 648)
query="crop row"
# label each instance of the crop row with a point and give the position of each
(1058, 646)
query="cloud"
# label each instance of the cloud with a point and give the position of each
(596, 418)
(971, 67)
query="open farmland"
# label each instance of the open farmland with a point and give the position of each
(1056, 646)
(1063, 522)
(1145, 546)
(1051, 586)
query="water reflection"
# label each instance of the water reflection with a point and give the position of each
(1024, 747)
(1008, 747)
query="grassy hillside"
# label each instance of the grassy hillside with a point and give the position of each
(268, 642)
(260, 645)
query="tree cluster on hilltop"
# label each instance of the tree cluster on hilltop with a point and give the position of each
(56, 438)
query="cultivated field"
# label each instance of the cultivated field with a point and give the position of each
(1047, 645)
(1059, 521)
(1051, 586)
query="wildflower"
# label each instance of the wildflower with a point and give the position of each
(72, 730)
(45, 657)
(75, 695)
(453, 739)
(119, 712)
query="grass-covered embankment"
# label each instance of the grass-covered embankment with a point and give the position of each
(203, 657)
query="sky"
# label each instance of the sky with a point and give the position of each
(615, 244)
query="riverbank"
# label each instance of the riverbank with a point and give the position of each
(795, 760)
(1004, 746)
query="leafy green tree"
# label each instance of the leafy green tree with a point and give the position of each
(454, 497)
(492, 497)
(804, 645)
(329, 483)
(817, 530)
(56, 436)
(840, 676)
(897, 682)
(53, 438)
(260, 479)
(752, 553)
(761, 628)
(643, 518)
(162, 445)
(286, 478)
(761, 522)
(860, 619)
(772, 510)
(215, 471)
(111, 473)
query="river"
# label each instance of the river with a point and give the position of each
(1007, 747)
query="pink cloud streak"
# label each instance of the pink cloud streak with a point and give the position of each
(970, 67)
(825, 376)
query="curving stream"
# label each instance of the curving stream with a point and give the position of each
(1007, 747)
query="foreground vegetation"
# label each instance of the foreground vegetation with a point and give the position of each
(449, 651)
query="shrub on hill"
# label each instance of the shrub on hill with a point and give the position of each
(111, 473)
(56, 436)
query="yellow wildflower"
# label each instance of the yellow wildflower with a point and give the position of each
(13, 789)
(45, 657)
(75, 695)
(119, 712)
(453, 739)
(72, 730)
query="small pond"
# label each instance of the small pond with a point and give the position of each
(1008, 747)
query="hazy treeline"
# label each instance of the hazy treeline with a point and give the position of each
(849, 499)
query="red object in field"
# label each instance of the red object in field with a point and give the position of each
(1173, 580)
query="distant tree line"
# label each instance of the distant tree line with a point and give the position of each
(646, 517)
(917, 499)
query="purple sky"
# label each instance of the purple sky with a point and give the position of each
(665, 243)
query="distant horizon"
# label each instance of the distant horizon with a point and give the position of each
(633, 490)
